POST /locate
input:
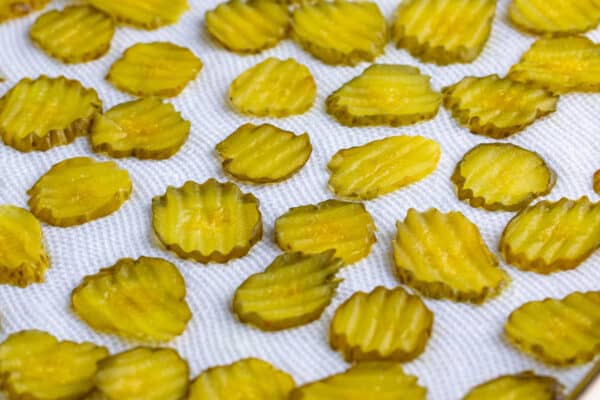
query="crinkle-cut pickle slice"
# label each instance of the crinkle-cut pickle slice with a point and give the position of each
(385, 94)
(444, 256)
(356, 172)
(292, 291)
(552, 236)
(160, 69)
(146, 14)
(554, 17)
(142, 299)
(78, 190)
(249, 378)
(502, 176)
(208, 222)
(596, 182)
(34, 365)
(37, 114)
(263, 153)
(273, 88)
(558, 331)
(523, 386)
(497, 107)
(18, 8)
(23, 258)
(143, 373)
(75, 34)
(444, 32)
(145, 128)
(341, 32)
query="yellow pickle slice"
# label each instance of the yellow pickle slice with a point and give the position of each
(523, 386)
(596, 182)
(558, 331)
(46, 112)
(18, 8)
(34, 365)
(208, 222)
(78, 190)
(146, 14)
(554, 17)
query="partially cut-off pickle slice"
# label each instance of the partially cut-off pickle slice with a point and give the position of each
(502, 176)
(146, 128)
(143, 373)
(342, 226)
(497, 107)
(23, 259)
(340, 31)
(292, 291)
(249, 378)
(263, 153)
(558, 331)
(209, 222)
(75, 34)
(46, 112)
(523, 386)
(368, 380)
(18, 8)
(444, 31)
(385, 94)
(444, 256)
(147, 14)
(273, 88)
(160, 69)
(34, 365)
(596, 182)
(552, 236)
(78, 190)
(356, 172)
(555, 17)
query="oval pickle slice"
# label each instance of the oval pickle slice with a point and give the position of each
(524, 386)
(147, 14)
(541, 16)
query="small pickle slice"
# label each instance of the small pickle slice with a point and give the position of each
(524, 386)
(18, 8)
(552, 236)
(34, 365)
(502, 176)
(273, 88)
(75, 34)
(160, 69)
(444, 32)
(146, 128)
(369, 380)
(384, 325)
(143, 374)
(444, 256)
(292, 291)
(342, 226)
(554, 17)
(146, 14)
(356, 172)
(209, 222)
(78, 190)
(596, 182)
(23, 259)
(249, 378)
(497, 107)
(385, 94)
(46, 112)
(340, 31)
(558, 331)
(263, 153)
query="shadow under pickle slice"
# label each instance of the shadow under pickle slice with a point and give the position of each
(523, 386)
(18, 8)
(146, 14)
(554, 17)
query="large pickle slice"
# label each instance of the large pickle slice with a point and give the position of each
(524, 386)
(147, 14)
(596, 182)
(555, 17)
(18, 8)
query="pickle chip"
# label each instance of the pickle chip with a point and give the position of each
(385, 94)
(208, 222)
(160, 69)
(597, 182)
(249, 378)
(554, 17)
(146, 14)
(524, 386)
(502, 176)
(46, 112)
(74, 35)
(34, 365)
(444, 32)
(146, 128)
(263, 153)
(444, 256)
(342, 226)
(78, 190)
(143, 373)
(356, 172)
(18, 8)
(558, 331)
(497, 107)
(552, 236)
(273, 88)
(23, 259)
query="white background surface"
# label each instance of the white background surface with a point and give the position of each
(466, 347)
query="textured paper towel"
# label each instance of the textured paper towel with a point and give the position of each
(466, 347)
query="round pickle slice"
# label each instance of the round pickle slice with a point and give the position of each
(147, 14)
(18, 8)
(524, 386)
(554, 17)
